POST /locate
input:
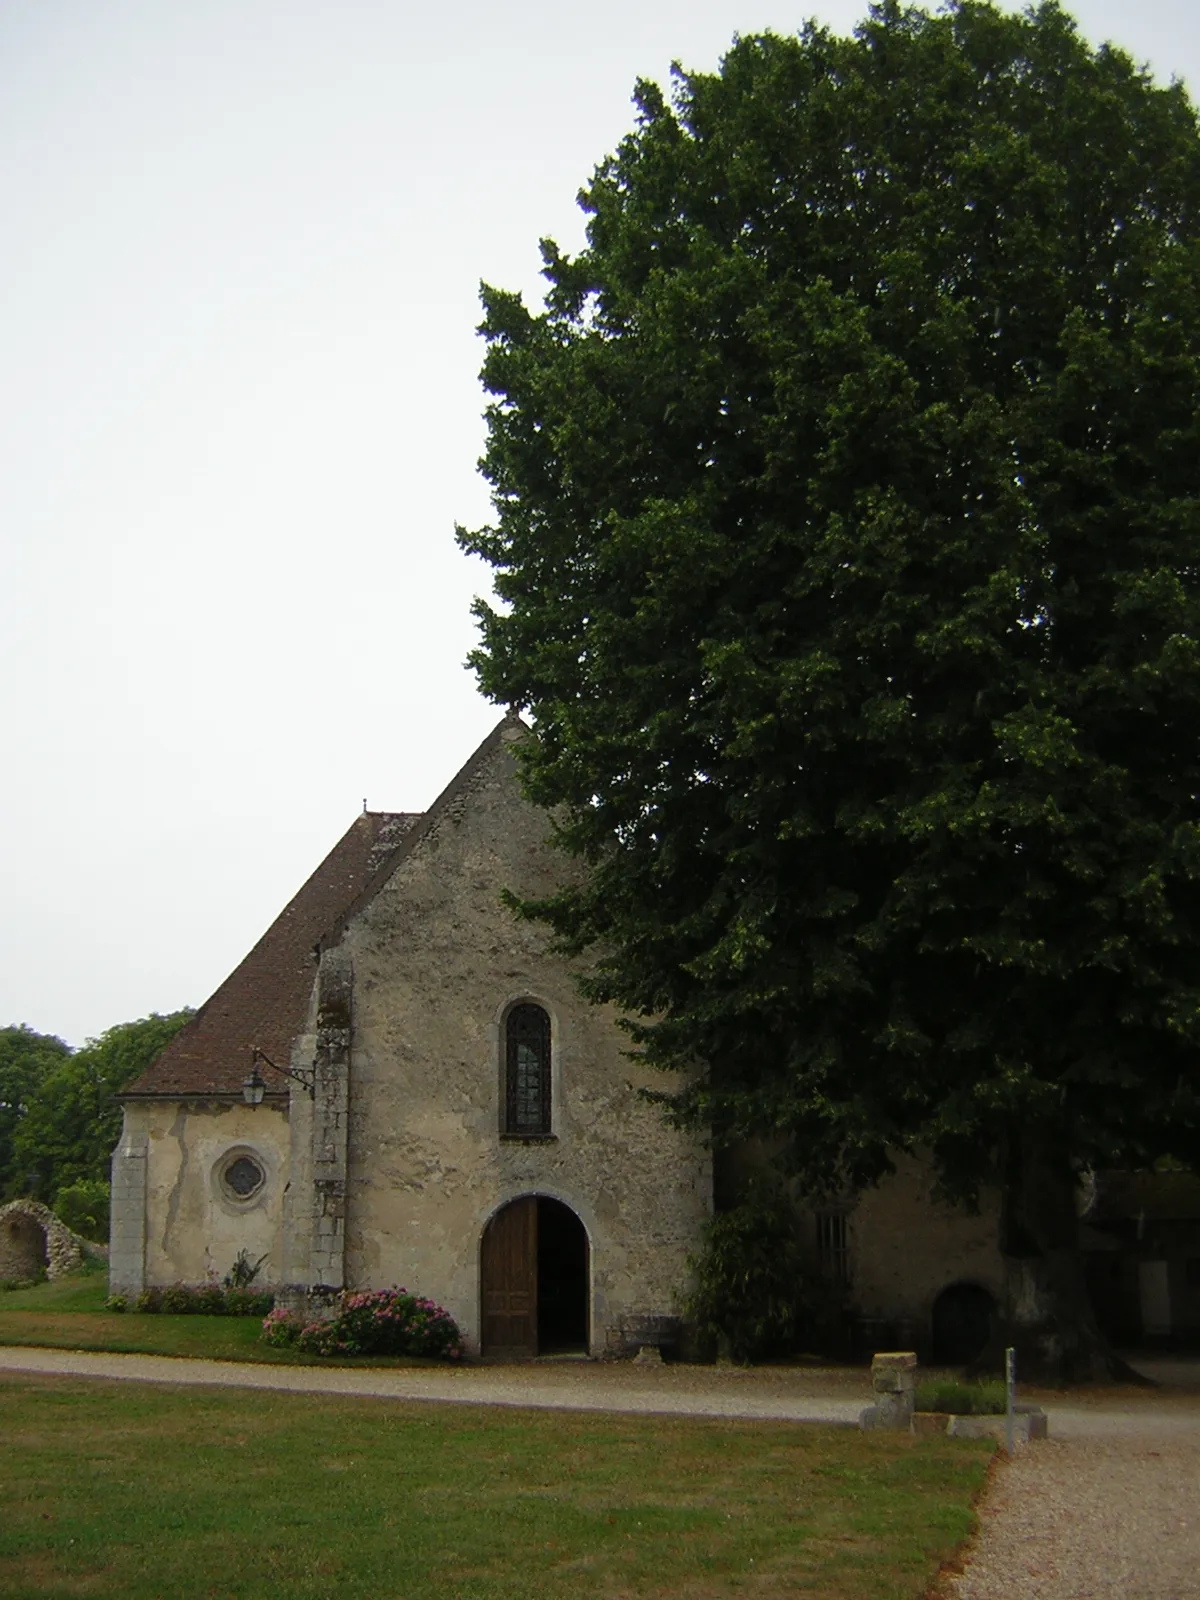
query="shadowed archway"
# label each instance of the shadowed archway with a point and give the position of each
(962, 1323)
(535, 1277)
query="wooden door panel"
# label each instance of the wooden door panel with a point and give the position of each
(509, 1268)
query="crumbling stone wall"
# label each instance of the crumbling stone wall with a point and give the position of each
(33, 1240)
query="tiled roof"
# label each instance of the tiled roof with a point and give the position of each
(264, 1000)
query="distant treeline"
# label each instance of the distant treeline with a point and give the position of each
(59, 1118)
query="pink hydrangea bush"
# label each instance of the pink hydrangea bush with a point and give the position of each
(281, 1328)
(374, 1322)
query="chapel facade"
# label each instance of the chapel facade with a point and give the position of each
(460, 1121)
(454, 1117)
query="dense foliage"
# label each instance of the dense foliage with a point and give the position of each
(84, 1207)
(68, 1120)
(750, 1296)
(197, 1300)
(26, 1059)
(846, 543)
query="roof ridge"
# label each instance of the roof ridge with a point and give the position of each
(511, 721)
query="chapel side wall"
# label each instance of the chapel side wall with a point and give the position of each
(194, 1230)
(906, 1246)
(437, 960)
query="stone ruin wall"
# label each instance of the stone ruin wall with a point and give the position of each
(33, 1240)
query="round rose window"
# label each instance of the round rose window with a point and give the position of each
(243, 1177)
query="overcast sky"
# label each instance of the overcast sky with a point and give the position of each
(240, 415)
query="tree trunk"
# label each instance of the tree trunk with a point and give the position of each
(1048, 1318)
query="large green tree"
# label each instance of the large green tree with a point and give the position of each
(26, 1058)
(71, 1120)
(847, 544)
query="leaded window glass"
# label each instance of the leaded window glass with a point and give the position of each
(527, 1072)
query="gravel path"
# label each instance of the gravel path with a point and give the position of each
(1108, 1508)
(822, 1395)
(1090, 1519)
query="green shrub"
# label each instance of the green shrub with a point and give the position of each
(206, 1300)
(986, 1399)
(116, 1302)
(248, 1302)
(83, 1206)
(209, 1300)
(749, 1293)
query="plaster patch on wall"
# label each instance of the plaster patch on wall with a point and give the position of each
(178, 1132)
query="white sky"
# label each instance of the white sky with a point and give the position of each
(240, 414)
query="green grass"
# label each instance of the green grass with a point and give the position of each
(83, 1291)
(142, 1491)
(70, 1315)
(985, 1399)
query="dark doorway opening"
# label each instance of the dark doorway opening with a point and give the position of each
(962, 1323)
(23, 1252)
(562, 1279)
(535, 1280)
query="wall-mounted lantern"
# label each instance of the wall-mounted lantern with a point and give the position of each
(254, 1087)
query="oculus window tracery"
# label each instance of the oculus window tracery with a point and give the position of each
(243, 1177)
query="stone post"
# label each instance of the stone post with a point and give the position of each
(894, 1380)
(127, 1232)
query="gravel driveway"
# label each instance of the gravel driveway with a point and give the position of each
(1108, 1508)
(798, 1395)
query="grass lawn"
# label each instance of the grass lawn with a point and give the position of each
(138, 1490)
(70, 1315)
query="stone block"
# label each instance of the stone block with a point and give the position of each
(894, 1380)
(894, 1371)
(928, 1423)
(648, 1356)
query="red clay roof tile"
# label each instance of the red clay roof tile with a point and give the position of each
(264, 1000)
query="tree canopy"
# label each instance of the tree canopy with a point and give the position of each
(846, 543)
(26, 1058)
(70, 1120)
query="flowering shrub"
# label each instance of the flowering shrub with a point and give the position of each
(247, 1302)
(325, 1339)
(205, 1300)
(282, 1328)
(392, 1322)
(378, 1322)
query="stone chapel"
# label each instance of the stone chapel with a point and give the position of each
(401, 1084)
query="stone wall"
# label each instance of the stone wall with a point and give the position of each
(177, 1213)
(437, 961)
(906, 1246)
(33, 1240)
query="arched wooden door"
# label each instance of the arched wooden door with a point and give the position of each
(535, 1279)
(509, 1268)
